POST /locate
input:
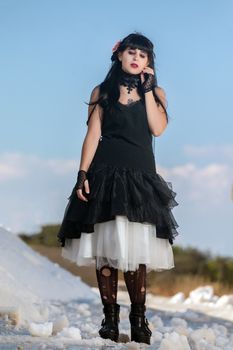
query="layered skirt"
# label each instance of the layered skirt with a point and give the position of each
(127, 220)
(121, 244)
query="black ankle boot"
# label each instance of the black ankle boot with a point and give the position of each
(110, 322)
(140, 332)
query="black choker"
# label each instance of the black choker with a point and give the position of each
(129, 80)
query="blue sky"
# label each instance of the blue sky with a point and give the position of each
(52, 55)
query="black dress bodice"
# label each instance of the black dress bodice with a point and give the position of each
(126, 139)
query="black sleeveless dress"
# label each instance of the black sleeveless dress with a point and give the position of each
(124, 184)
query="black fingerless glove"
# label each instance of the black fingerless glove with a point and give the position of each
(149, 83)
(82, 176)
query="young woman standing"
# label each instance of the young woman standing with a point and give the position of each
(119, 212)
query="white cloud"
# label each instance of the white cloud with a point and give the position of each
(34, 190)
(212, 182)
(16, 165)
(11, 167)
(217, 152)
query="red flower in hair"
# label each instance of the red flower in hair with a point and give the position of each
(115, 47)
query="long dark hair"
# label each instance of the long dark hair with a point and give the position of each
(109, 91)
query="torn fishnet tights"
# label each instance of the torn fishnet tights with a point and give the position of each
(107, 278)
(136, 284)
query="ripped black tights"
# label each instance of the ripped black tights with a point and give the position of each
(107, 278)
(136, 284)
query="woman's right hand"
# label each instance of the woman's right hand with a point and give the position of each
(80, 191)
(82, 183)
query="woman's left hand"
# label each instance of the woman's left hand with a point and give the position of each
(148, 79)
(147, 70)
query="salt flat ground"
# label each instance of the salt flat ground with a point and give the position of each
(43, 306)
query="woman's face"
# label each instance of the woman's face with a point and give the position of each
(133, 60)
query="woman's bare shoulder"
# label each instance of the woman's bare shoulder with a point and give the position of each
(160, 92)
(95, 92)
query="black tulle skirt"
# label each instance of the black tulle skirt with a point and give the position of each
(142, 196)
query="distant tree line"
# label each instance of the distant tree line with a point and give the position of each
(188, 261)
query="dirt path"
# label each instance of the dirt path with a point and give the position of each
(87, 273)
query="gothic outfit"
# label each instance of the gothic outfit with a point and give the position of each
(127, 220)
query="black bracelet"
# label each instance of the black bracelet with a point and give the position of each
(82, 176)
(149, 84)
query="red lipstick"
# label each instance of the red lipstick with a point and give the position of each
(134, 65)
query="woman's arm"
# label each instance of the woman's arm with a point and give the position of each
(93, 134)
(155, 114)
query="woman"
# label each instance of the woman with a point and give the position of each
(119, 212)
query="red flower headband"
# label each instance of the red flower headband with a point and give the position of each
(115, 47)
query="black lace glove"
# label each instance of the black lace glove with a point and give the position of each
(82, 176)
(149, 83)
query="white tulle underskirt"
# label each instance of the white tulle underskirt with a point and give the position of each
(121, 244)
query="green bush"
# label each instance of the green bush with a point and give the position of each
(47, 236)
(188, 261)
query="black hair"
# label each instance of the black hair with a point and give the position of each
(108, 90)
